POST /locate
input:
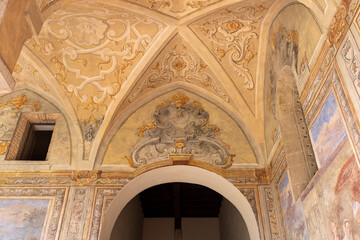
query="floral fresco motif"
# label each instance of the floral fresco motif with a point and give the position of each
(328, 131)
(293, 213)
(23, 219)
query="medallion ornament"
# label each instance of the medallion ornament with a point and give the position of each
(86, 30)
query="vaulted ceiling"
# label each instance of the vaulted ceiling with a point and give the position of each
(109, 64)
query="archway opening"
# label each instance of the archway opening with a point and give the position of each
(183, 174)
(179, 211)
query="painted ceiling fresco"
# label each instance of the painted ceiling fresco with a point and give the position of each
(232, 35)
(104, 57)
(204, 130)
(178, 62)
(174, 8)
(91, 48)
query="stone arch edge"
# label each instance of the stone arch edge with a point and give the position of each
(186, 174)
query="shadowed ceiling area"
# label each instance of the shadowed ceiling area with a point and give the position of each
(177, 200)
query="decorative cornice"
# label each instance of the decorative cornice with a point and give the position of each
(118, 178)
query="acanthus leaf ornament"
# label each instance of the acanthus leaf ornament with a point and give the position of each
(352, 62)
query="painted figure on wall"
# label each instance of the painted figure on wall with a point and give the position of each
(293, 214)
(23, 219)
(332, 203)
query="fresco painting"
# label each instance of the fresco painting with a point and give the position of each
(332, 207)
(328, 132)
(23, 219)
(293, 213)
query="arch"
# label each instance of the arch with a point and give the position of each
(284, 71)
(320, 18)
(170, 174)
(98, 153)
(54, 96)
(48, 109)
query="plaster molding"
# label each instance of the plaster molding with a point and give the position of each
(64, 178)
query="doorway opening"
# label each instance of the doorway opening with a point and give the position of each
(179, 211)
(179, 174)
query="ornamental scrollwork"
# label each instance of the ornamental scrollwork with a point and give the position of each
(175, 8)
(233, 36)
(270, 205)
(180, 127)
(91, 47)
(25, 72)
(320, 76)
(180, 64)
(85, 178)
(352, 63)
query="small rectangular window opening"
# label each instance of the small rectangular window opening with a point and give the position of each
(37, 142)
